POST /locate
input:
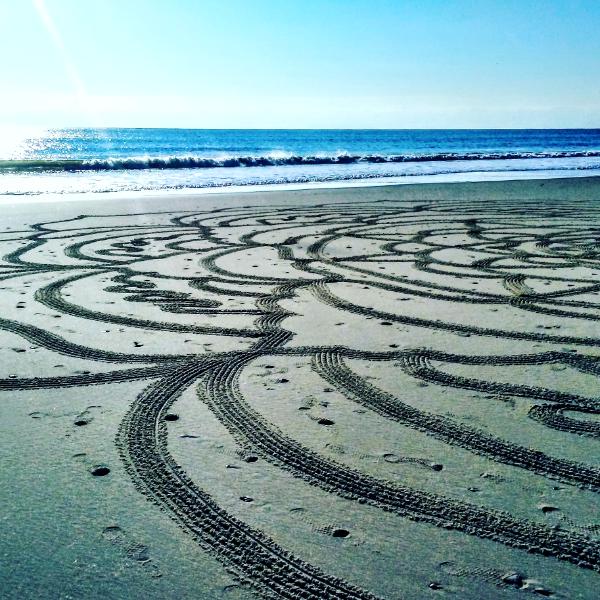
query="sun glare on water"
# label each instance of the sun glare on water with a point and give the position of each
(18, 142)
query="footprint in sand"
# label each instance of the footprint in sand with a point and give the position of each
(86, 417)
(94, 468)
(514, 579)
(132, 551)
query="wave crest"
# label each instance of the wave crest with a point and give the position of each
(270, 160)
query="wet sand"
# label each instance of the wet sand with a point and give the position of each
(382, 392)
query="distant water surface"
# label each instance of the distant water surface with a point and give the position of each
(113, 160)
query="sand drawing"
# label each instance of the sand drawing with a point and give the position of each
(493, 301)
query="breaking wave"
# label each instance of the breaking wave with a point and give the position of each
(274, 159)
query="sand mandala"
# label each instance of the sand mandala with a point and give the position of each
(426, 362)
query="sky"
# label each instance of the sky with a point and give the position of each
(300, 63)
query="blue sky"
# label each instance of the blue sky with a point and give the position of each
(300, 63)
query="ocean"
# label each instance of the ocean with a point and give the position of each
(65, 161)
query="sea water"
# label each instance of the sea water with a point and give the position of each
(119, 159)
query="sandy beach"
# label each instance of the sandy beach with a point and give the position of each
(380, 392)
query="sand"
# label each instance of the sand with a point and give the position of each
(385, 392)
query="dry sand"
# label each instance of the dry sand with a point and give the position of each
(381, 392)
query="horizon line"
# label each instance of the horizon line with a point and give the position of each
(57, 127)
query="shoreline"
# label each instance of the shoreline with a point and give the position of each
(413, 180)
